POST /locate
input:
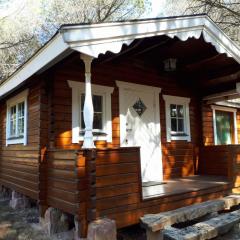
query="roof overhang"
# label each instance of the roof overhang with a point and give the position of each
(95, 39)
(99, 38)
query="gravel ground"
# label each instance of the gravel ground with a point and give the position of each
(23, 225)
(19, 224)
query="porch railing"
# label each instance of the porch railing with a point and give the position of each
(93, 183)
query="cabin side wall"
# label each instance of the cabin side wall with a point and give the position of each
(19, 164)
(214, 160)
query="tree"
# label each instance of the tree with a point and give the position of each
(226, 13)
(27, 25)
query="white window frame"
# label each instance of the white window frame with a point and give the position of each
(78, 88)
(21, 97)
(177, 101)
(225, 109)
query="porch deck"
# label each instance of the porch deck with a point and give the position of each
(183, 185)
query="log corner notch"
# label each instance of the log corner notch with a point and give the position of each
(87, 157)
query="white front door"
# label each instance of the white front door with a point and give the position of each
(140, 126)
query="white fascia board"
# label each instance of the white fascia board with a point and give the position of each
(97, 39)
(42, 58)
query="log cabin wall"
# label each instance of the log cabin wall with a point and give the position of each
(178, 156)
(214, 160)
(19, 164)
(207, 125)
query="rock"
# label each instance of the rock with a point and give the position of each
(205, 230)
(102, 229)
(55, 222)
(156, 222)
(231, 200)
(19, 201)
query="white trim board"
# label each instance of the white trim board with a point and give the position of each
(21, 97)
(187, 127)
(95, 39)
(226, 109)
(77, 89)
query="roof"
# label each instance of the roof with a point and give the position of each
(95, 39)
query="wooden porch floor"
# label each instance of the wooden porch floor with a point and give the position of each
(183, 185)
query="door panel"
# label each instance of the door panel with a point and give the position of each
(140, 126)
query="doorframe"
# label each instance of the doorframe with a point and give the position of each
(123, 86)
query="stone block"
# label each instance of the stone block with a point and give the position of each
(55, 221)
(102, 229)
(19, 201)
(154, 235)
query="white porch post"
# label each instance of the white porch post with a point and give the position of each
(88, 111)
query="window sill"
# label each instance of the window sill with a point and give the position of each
(95, 138)
(176, 138)
(15, 140)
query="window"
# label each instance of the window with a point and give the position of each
(98, 113)
(224, 125)
(102, 123)
(177, 118)
(16, 125)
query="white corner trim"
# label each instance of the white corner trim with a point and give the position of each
(226, 109)
(182, 101)
(41, 59)
(223, 108)
(77, 89)
(176, 100)
(21, 97)
(137, 87)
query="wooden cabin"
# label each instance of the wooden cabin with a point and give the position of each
(123, 119)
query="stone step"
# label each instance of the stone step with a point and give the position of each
(204, 230)
(157, 222)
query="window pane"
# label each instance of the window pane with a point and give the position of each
(173, 110)
(173, 124)
(82, 122)
(97, 106)
(97, 103)
(180, 111)
(224, 126)
(82, 101)
(97, 122)
(180, 125)
(13, 121)
(21, 118)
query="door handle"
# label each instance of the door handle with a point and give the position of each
(128, 130)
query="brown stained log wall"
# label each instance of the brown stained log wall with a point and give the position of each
(221, 160)
(207, 125)
(178, 156)
(117, 193)
(54, 171)
(20, 164)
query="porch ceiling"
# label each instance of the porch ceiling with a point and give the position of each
(199, 65)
